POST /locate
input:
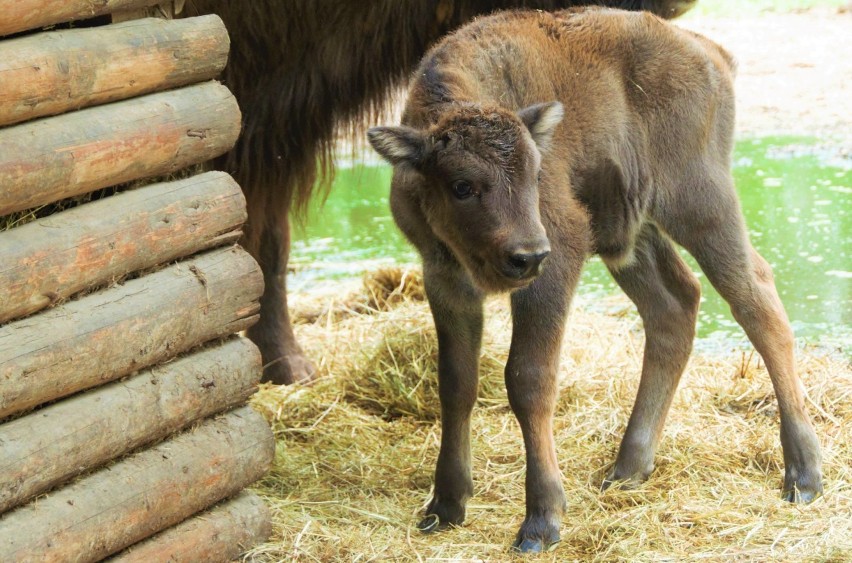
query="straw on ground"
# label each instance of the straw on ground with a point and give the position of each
(356, 450)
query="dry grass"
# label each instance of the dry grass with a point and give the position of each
(356, 450)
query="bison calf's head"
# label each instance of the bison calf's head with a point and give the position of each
(471, 181)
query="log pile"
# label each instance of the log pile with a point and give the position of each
(123, 430)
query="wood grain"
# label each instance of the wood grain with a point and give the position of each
(83, 432)
(218, 535)
(147, 492)
(114, 332)
(49, 159)
(50, 259)
(57, 71)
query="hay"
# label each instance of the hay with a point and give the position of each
(380, 291)
(356, 450)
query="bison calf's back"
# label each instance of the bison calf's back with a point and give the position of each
(530, 140)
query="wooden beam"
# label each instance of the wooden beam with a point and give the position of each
(114, 332)
(21, 15)
(219, 535)
(50, 259)
(49, 159)
(49, 446)
(58, 71)
(141, 495)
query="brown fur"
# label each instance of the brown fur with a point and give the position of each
(304, 72)
(641, 158)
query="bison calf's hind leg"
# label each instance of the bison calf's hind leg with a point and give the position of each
(666, 294)
(744, 279)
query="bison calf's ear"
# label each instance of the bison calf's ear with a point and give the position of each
(398, 145)
(541, 121)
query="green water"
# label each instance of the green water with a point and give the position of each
(797, 199)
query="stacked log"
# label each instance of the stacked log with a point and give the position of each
(123, 430)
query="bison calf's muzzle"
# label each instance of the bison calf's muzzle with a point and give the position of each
(488, 180)
(522, 264)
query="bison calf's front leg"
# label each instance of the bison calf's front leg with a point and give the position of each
(457, 311)
(538, 324)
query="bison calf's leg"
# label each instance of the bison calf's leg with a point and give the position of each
(457, 310)
(744, 279)
(666, 294)
(538, 313)
(283, 359)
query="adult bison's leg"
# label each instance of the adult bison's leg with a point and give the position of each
(283, 359)
(714, 232)
(539, 313)
(457, 309)
(666, 294)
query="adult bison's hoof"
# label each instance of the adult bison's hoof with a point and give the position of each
(289, 369)
(538, 534)
(533, 545)
(800, 497)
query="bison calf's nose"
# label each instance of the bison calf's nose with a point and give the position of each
(523, 265)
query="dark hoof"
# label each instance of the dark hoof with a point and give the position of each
(628, 474)
(623, 483)
(538, 534)
(440, 515)
(533, 545)
(802, 496)
(432, 523)
(295, 368)
(802, 486)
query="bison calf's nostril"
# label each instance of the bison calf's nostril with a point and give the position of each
(526, 264)
(530, 259)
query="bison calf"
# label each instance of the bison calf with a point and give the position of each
(531, 140)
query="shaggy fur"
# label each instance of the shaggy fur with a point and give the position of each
(305, 72)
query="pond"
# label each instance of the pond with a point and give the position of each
(797, 199)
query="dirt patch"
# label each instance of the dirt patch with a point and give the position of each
(794, 72)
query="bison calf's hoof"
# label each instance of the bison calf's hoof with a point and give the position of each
(538, 534)
(799, 496)
(627, 479)
(624, 484)
(441, 515)
(803, 490)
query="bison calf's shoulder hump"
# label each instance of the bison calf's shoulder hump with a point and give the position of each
(530, 140)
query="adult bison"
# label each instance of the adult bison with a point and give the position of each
(304, 72)
(529, 141)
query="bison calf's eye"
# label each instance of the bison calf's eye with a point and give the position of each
(462, 189)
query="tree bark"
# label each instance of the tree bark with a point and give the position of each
(112, 333)
(83, 432)
(142, 494)
(50, 259)
(49, 159)
(219, 535)
(58, 71)
(21, 15)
